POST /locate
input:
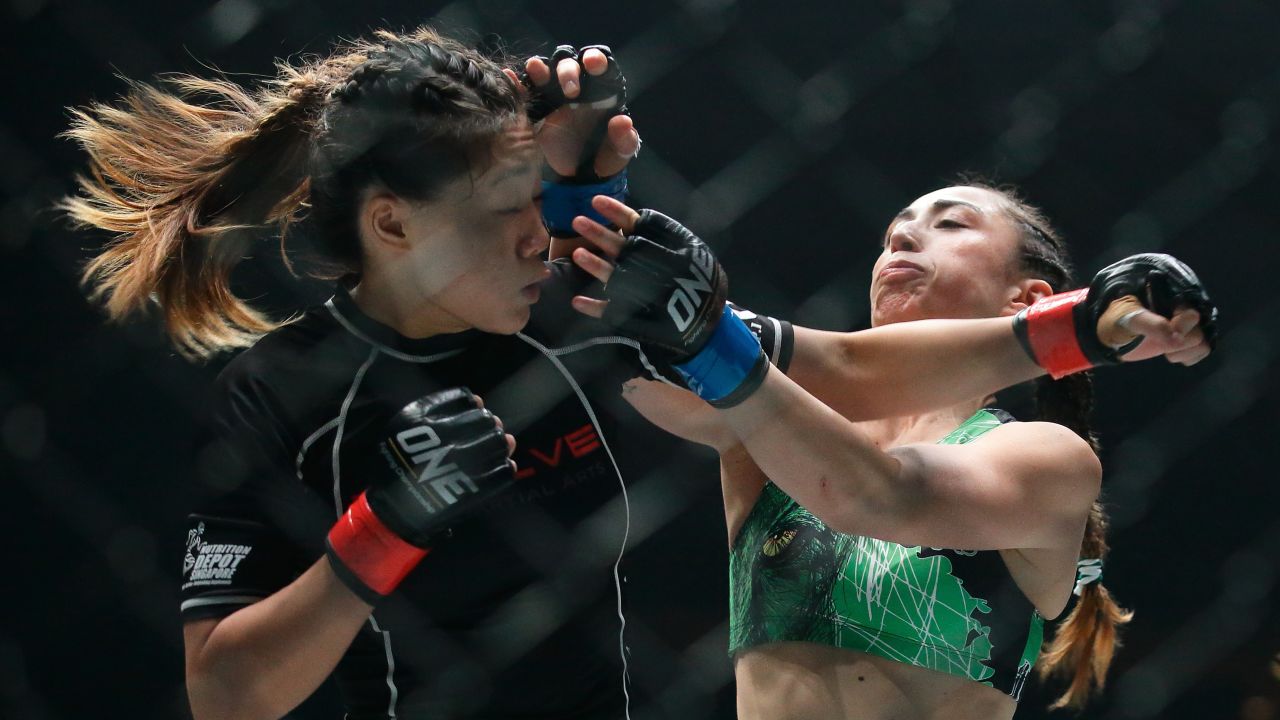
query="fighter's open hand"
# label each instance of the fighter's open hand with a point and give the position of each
(569, 95)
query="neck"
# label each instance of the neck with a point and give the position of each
(413, 316)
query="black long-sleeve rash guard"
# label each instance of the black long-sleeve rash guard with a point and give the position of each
(517, 613)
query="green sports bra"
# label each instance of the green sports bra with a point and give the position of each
(791, 578)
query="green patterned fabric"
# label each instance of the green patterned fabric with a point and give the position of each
(794, 579)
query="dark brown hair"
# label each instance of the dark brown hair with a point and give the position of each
(186, 174)
(1086, 639)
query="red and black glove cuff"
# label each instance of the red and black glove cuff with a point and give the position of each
(366, 555)
(1051, 332)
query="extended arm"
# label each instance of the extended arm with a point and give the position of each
(1022, 486)
(893, 370)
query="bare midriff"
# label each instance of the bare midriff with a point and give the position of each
(806, 681)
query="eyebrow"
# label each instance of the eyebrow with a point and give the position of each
(907, 213)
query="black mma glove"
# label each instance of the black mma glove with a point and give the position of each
(668, 292)
(567, 196)
(441, 457)
(1060, 332)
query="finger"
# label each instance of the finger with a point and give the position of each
(539, 73)
(622, 145)
(609, 241)
(595, 62)
(515, 80)
(594, 265)
(615, 212)
(1185, 320)
(1194, 338)
(1151, 325)
(567, 71)
(1190, 356)
(589, 306)
(473, 422)
(511, 445)
(1113, 325)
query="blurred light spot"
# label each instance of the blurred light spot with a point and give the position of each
(928, 12)
(1257, 708)
(231, 20)
(1036, 107)
(1141, 460)
(1246, 120)
(1136, 232)
(24, 432)
(1125, 46)
(823, 99)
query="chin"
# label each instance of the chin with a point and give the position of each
(890, 313)
(508, 324)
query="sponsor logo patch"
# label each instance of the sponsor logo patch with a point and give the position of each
(210, 564)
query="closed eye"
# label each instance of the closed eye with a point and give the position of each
(947, 223)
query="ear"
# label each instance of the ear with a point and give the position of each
(383, 220)
(1026, 292)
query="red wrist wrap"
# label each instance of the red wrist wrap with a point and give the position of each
(374, 554)
(1051, 332)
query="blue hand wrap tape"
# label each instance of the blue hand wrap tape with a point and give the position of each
(725, 361)
(562, 202)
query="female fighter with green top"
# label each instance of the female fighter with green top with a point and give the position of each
(895, 557)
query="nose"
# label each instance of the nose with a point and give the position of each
(538, 239)
(903, 238)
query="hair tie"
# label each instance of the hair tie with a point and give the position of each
(1088, 570)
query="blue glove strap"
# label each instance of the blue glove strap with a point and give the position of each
(725, 362)
(562, 202)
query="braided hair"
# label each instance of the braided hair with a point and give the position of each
(187, 173)
(1086, 639)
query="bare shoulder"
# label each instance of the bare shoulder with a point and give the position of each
(1050, 456)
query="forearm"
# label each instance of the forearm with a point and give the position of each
(816, 456)
(909, 367)
(265, 659)
(679, 412)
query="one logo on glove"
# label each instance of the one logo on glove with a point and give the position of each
(426, 455)
(685, 301)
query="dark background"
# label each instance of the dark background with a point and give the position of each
(787, 134)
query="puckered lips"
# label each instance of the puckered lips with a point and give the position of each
(900, 270)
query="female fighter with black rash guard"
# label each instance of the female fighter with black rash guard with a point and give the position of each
(421, 173)
(868, 559)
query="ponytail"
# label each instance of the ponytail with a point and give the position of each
(181, 183)
(187, 173)
(1086, 640)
